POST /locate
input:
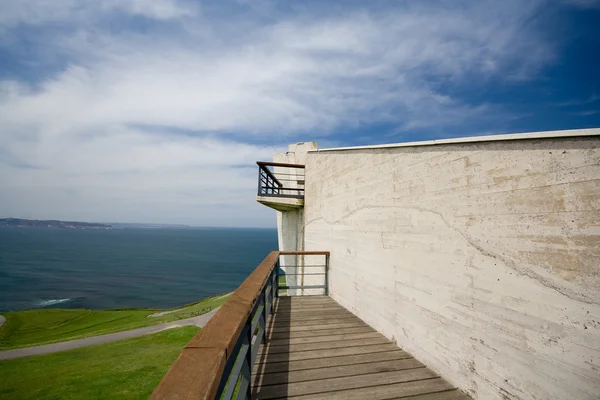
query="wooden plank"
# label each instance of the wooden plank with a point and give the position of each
(314, 321)
(301, 299)
(325, 338)
(318, 333)
(317, 301)
(304, 306)
(335, 372)
(308, 309)
(268, 368)
(306, 300)
(329, 385)
(382, 392)
(310, 316)
(309, 313)
(449, 395)
(326, 309)
(289, 348)
(317, 324)
(311, 303)
(304, 327)
(345, 351)
(291, 308)
(313, 317)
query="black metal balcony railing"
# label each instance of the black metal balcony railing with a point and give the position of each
(280, 180)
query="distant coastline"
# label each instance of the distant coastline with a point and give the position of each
(35, 223)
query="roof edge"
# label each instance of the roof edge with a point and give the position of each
(571, 133)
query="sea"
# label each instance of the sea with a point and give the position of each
(124, 268)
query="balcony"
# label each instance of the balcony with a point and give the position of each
(280, 185)
(264, 343)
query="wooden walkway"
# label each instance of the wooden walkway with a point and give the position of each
(316, 349)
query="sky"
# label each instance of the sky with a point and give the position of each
(155, 111)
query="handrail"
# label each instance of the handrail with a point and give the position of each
(303, 253)
(275, 164)
(225, 346)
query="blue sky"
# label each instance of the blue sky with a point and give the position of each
(155, 110)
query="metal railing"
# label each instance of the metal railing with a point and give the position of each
(235, 381)
(280, 180)
(317, 275)
(217, 363)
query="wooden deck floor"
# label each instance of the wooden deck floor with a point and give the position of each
(316, 349)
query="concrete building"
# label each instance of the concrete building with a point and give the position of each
(480, 256)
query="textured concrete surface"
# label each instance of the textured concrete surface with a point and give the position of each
(198, 321)
(481, 259)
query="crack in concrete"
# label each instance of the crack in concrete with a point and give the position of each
(346, 215)
(508, 262)
(474, 244)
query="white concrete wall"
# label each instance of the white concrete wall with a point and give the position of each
(481, 259)
(290, 224)
(290, 237)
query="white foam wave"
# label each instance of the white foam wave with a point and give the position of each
(46, 303)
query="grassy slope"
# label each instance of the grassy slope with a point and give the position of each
(37, 327)
(282, 282)
(126, 369)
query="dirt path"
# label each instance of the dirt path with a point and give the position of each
(198, 321)
(2, 320)
(160, 314)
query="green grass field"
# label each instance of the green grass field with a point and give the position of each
(126, 369)
(37, 327)
(282, 282)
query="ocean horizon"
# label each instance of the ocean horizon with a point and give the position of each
(125, 268)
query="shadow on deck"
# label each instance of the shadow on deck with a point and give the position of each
(316, 349)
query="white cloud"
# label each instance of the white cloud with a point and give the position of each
(293, 75)
(38, 12)
(156, 9)
(102, 127)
